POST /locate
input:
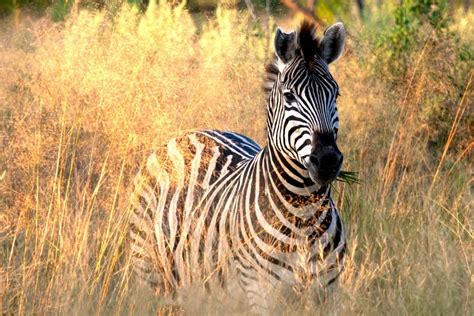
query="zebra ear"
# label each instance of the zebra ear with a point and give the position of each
(332, 44)
(285, 45)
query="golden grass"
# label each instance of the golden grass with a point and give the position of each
(84, 101)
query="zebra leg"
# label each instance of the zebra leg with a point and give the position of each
(143, 252)
(261, 294)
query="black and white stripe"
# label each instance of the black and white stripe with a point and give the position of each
(213, 205)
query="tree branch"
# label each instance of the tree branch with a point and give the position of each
(308, 13)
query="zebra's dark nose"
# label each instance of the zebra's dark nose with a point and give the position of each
(326, 160)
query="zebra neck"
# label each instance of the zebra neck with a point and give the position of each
(288, 186)
(289, 175)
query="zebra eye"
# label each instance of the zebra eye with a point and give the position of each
(289, 97)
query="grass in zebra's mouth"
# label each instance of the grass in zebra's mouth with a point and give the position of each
(349, 177)
(84, 101)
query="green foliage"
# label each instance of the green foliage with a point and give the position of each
(60, 9)
(331, 11)
(422, 49)
(9, 6)
(432, 11)
(409, 31)
(328, 11)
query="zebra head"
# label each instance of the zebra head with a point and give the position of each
(302, 112)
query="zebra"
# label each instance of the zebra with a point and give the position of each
(214, 206)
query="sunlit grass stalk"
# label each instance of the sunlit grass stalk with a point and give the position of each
(459, 113)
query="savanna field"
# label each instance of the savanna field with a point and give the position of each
(87, 91)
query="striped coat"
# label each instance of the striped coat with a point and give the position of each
(213, 206)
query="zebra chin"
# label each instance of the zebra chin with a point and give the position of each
(322, 178)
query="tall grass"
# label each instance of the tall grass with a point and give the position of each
(84, 101)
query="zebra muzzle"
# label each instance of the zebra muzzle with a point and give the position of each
(325, 161)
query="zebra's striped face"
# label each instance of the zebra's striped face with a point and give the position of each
(305, 120)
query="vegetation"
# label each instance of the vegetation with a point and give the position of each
(84, 100)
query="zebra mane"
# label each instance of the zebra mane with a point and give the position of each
(308, 46)
(308, 43)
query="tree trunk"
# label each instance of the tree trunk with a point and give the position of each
(360, 6)
(467, 5)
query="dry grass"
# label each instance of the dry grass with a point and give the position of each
(84, 101)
